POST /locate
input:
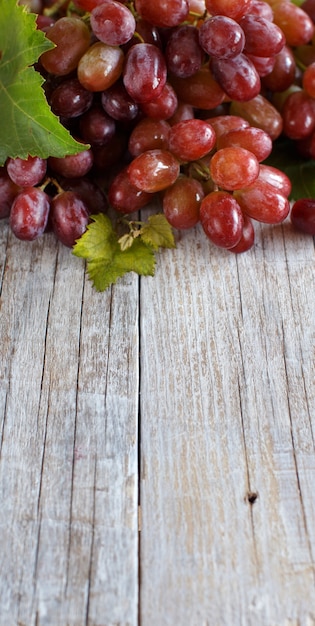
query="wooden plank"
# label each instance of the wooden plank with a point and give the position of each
(227, 434)
(68, 424)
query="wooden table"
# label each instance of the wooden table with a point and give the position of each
(157, 440)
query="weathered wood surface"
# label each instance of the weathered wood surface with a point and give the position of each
(190, 394)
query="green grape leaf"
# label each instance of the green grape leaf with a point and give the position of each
(301, 172)
(106, 261)
(28, 126)
(157, 232)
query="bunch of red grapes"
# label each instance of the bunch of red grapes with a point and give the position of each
(182, 100)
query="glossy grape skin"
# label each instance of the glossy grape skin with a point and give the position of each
(145, 72)
(183, 53)
(29, 213)
(303, 215)
(296, 25)
(26, 172)
(118, 104)
(247, 239)
(221, 37)
(263, 202)
(153, 170)
(262, 37)
(73, 165)
(96, 127)
(221, 219)
(238, 77)
(263, 65)
(162, 107)
(191, 139)
(225, 123)
(161, 13)
(235, 9)
(124, 197)
(298, 115)
(69, 217)
(276, 178)
(283, 73)
(149, 134)
(113, 23)
(261, 113)
(201, 90)
(72, 39)
(181, 202)
(232, 168)
(261, 9)
(100, 66)
(8, 192)
(70, 99)
(254, 139)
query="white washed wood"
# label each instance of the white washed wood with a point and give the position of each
(227, 415)
(68, 424)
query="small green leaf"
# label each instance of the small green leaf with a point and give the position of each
(28, 125)
(157, 232)
(106, 261)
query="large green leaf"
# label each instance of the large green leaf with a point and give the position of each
(27, 124)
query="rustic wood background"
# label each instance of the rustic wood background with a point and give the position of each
(157, 463)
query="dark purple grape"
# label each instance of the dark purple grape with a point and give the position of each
(70, 99)
(29, 213)
(96, 127)
(118, 104)
(8, 192)
(69, 217)
(184, 55)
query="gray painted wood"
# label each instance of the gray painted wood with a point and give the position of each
(194, 388)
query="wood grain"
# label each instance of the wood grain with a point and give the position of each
(69, 409)
(193, 390)
(227, 435)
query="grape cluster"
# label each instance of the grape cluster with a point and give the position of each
(181, 100)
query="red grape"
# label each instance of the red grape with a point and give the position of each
(233, 167)
(303, 215)
(144, 72)
(238, 77)
(161, 13)
(124, 196)
(69, 217)
(26, 172)
(222, 219)
(149, 134)
(8, 192)
(181, 202)
(263, 202)
(72, 39)
(191, 139)
(221, 37)
(112, 23)
(153, 170)
(100, 66)
(29, 213)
